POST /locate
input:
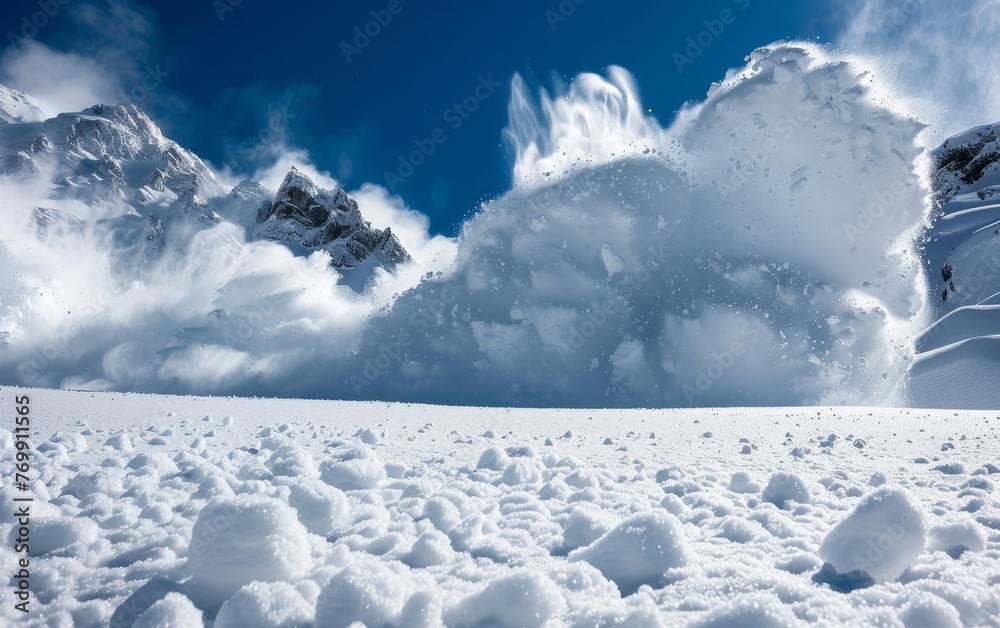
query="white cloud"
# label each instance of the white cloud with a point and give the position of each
(59, 81)
(941, 52)
(107, 63)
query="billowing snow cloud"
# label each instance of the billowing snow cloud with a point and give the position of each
(111, 60)
(60, 81)
(941, 52)
(721, 260)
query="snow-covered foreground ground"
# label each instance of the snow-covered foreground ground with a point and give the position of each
(154, 510)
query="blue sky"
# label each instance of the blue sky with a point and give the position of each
(226, 68)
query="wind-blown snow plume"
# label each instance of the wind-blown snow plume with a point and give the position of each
(939, 52)
(596, 120)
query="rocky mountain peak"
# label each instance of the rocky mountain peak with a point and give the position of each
(330, 220)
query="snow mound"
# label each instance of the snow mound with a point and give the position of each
(527, 599)
(640, 550)
(957, 537)
(930, 611)
(783, 489)
(369, 593)
(173, 610)
(750, 611)
(882, 536)
(238, 540)
(273, 604)
(354, 468)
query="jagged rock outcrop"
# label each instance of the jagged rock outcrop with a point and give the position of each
(304, 214)
(964, 160)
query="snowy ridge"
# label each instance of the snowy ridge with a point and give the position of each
(957, 357)
(174, 510)
(16, 107)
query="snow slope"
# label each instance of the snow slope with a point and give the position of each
(957, 356)
(154, 509)
(17, 106)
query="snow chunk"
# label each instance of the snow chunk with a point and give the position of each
(930, 611)
(521, 471)
(367, 436)
(951, 468)
(493, 459)
(369, 593)
(357, 468)
(320, 507)
(432, 548)
(293, 461)
(522, 599)
(882, 536)
(957, 537)
(585, 525)
(238, 540)
(173, 610)
(739, 530)
(750, 611)
(61, 536)
(638, 551)
(784, 488)
(120, 442)
(741, 483)
(273, 604)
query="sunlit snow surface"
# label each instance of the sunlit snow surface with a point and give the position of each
(157, 509)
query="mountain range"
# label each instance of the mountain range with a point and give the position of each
(117, 173)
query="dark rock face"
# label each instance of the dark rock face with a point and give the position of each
(964, 160)
(329, 220)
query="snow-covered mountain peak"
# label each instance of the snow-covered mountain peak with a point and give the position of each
(968, 162)
(111, 158)
(316, 218)
(18, 107)
(296, 187)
